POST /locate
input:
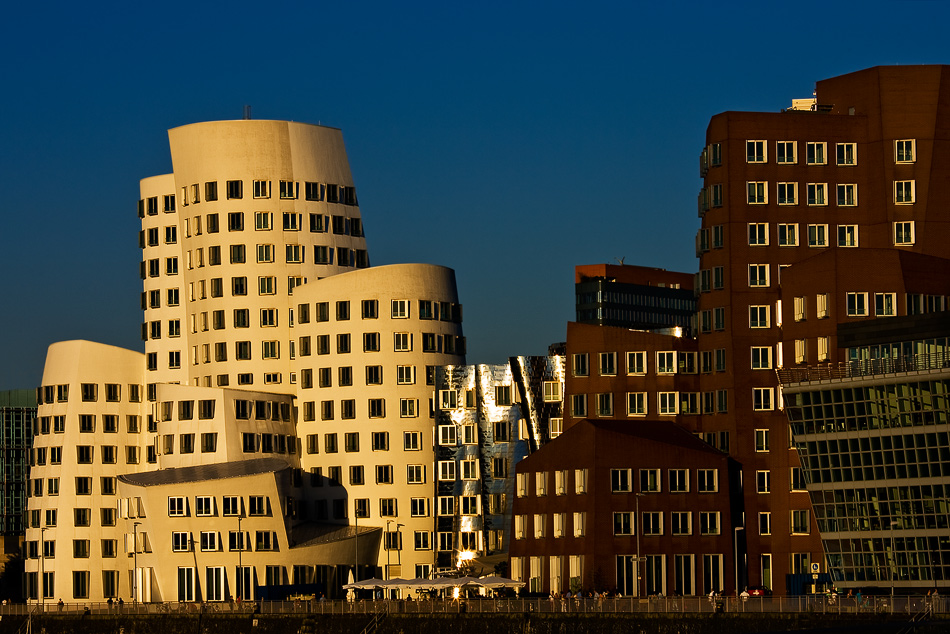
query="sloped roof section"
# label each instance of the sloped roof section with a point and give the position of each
(219, 471)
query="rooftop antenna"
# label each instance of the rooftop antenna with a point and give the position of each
(620, 260)
(247, 112)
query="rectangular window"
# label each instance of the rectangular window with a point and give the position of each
(816, 194)
(758, 234)
(904, 233)
(707, 480)
(786, 152)
(763, 482)
(847, 195)
(709, 523)
(620, 480)
(761, 440)
(885, 304)
(847, 153)
(756, 151)
(801, 522)
(905, 150)
(765, 523)
(815, 153)
(817, 235)
(788, 193)
(757, 192)
(681, 523)
(758, 275)
(761, 357)
(857, 304)
(847, 235)
(579, 405)
(788, 235)
(636, 403)
(762, 399)
(905, 192)
(579, 365)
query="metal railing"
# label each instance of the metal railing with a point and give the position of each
(903, 605)
(868, 367)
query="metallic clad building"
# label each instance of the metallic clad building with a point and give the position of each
(488, 418)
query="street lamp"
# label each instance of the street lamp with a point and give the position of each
(638, 529)
(388, 544)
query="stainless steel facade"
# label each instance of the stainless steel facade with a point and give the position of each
(488, 418)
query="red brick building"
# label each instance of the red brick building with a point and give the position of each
(832, 211)
(605, 492)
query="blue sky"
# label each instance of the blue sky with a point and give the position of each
(509, 141)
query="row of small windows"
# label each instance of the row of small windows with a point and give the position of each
(816, 152)
(87, 423)
(817, 234)
(85, 454)
(664, 362)
(667, 403)
(234, 190)
(293, 254)
(263, 221)
(88, 392)
(369, 309)
(651, 523)
(905, 193)
(402, 342)
(82, 517)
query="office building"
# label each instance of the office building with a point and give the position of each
(276, 436)
(828, 212)
(873, 436)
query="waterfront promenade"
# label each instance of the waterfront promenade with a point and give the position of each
(814, 604)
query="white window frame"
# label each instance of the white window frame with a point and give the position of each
(788, 234)
(856, 304)
(757, 151)
(847, 236)
(816, 153)
(782, 155)
(637, 404)
(758, 234)
(904, 233)
(761, 357)
(755, 316)
(846, 154)
(847, 195)
(885, 304)
(817, 236)
(905, 150)
(763, 399)
(757, 192)
(817, 194)
(905, 192)
(759, 275)
(787, 193)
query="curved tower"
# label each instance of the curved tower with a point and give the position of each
(252, 210)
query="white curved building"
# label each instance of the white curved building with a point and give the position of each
(252, 210)
(368, 345)
(180, 474)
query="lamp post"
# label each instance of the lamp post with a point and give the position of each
(638, 528)
(386, 543)
(356, 541)
(135, 561)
